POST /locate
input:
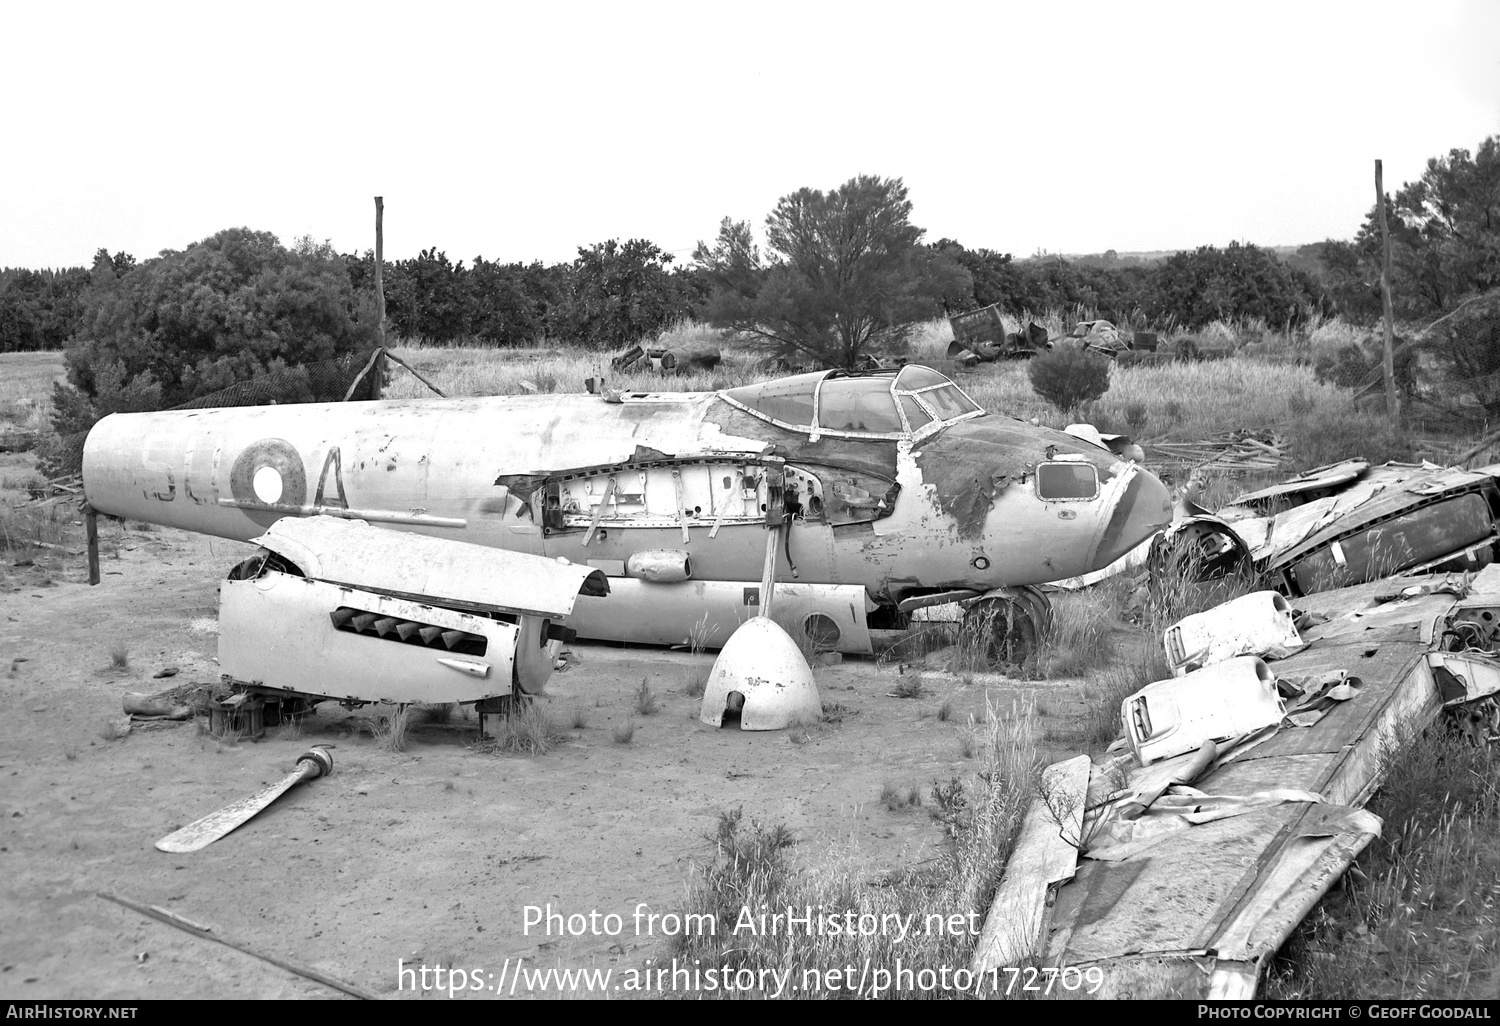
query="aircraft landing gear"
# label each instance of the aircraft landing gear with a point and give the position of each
(1007, 630)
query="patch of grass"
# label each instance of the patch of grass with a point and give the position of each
(909, 686)
(644, 700)
(119, 656)
(696, 681)
(896, 798)
(524, 730)
(1084, 623)
(749, 866)
(967, 741)
(1326, 434)
(580, 717)
(1419, 921)
(1105, 689)
(945, 711)
(393, 730)
(624, 733)
(836, 712)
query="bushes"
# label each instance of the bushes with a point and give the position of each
(229, 308)
(613, 295)
(1069, 376)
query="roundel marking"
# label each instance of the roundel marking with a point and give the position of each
(269, 471)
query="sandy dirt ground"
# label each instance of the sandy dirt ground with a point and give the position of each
(425, 856)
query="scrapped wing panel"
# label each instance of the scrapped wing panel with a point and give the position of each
(352, 552)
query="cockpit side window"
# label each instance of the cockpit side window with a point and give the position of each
(789, 400)
(916, 416)
(947, 402)
(914, 377)
(858, 404)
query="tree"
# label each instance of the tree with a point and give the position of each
(1445, 239)
(231, 307)
(1239, 281)
(623, 293)
(848, 275)
(1069, 376)
(39, 309)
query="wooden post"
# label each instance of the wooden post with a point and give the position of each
(91, 528)
(1387, 357)
(379, 266)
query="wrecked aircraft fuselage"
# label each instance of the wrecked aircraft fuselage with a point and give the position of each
(896, 483)
(1340, 525)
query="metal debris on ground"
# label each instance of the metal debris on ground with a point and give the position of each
(1197, 859)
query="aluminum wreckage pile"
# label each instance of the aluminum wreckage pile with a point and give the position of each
(1234, 797)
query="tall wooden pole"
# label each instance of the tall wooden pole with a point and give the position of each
(91, 529)
(1387, 358)
(379, 266)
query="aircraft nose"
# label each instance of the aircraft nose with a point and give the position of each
(1144, 509)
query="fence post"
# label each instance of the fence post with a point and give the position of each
(379, 267)
(1387, 357)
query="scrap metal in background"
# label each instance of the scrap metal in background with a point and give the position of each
(979, 336)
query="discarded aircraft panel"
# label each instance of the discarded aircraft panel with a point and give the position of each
(330, 641)
(1220, 701)
(448, 572)
(339, 609)
(1258, 624)
(833, 617)
(1193, 870)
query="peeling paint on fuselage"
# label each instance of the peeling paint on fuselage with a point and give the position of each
(436, 467)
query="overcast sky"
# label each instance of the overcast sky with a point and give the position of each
(521, 131)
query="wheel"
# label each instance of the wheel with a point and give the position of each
(1007, 631)
(1197, 567)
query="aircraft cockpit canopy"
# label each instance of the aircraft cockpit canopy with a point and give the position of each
(912, 403)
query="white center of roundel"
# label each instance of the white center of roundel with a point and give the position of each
(267, 484)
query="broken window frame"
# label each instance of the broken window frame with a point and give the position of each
(814, 431)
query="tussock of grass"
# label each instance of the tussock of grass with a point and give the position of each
(119, 656)
(580, 718)
(392, 731)
(1107, 688)
(908, 687)
(1419, 921)
(696, 681)
(624, 733)
(644, 700)
(1084, 624)
(897, 798)
(525, 730)
(749, 866)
